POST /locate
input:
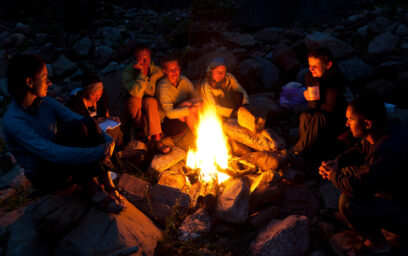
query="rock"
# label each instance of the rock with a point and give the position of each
(233, 201)
(83, 46)
(41, 37)
(195, 225)
(3, 67)
(402, 30)
(111, 67)
(174, 177)
(294, 175)
(401, 115)
(382, 87)
(263, 217)
(266, 190)
(14, 39)
(15, 179)
(270, 73)
(355, 69)
(24, 239)
(48, 52)
(170, 196)
(104, 50)
(111, 36)
(285, 57)
(288, 237)
(299, 200)
(379, 25)
(325, 230)
(239, 39)
(266, 160)
(108, 234)
(267, 140)
(63, 66)
(355, 17)
(338, 48)
(330, 195)
(362, 31)
(156, 210)
(162, 162)
(268, 34)
(263, 100)
(383, 44)
(239, 149)
(6, 193)
(252, 118)
(9, 218)
(346, 243)
(135, 189)
(3, 87)
(23, 28)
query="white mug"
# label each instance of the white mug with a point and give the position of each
(314, 92)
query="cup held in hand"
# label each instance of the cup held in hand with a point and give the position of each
(314, 93)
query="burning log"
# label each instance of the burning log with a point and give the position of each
(207, 196)
(266, 140)
(266, 160)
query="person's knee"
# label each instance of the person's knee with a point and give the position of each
(150, 102)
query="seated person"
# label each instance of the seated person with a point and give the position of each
(370, 174)
(140, 79)
(178, 98)
(91, 101)
(57, 148)
(222, 90)
(324, 121)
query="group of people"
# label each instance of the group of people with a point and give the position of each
(61, 147)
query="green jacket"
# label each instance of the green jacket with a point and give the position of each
(137, 84)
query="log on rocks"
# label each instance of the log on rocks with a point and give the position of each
(195, 225)
(266, 189)
(233, 201)
(239, 149)
(266, 160)
(174, 177)
(162, 162)
(252, 117)
(266, 140)
(287, 237)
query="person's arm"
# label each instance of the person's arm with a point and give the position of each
(166, 100)
(134, 81)
(238, 88)
(332, 97)
(209, 98)
(24, 135)
(369, 178)
(64, 113)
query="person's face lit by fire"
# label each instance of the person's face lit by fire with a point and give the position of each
(172, 71)
(317, 67)
(39, 83)
(144, 58)
(219, 73)
(358, 125)
(96, 95)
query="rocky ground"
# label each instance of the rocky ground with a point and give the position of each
(370, 46)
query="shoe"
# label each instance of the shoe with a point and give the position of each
(377, 248)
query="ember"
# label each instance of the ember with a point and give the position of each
(211, 152)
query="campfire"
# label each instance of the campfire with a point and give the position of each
(211, 154)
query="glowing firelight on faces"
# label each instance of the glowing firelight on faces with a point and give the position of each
(211, 150)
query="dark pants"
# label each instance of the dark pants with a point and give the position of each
(51, 177)
(318, 133)
(369, 215)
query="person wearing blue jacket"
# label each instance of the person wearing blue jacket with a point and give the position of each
(56, 147)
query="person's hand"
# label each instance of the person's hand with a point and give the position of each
(100, 119)
(143, 67)
(109, 147)
(327, 168)
(306, 95)
(115, 118)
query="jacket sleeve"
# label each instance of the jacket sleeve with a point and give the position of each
(368, 179)
(166, 101)
(238, 88)
(134, 81)
(64, 113)
(25, 136)
(209, 98)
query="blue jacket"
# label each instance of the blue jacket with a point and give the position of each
(29, 135)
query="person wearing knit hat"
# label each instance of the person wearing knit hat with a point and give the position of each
(222, 90)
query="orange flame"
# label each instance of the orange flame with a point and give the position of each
(212, 150)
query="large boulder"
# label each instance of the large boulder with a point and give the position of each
(383, 44)
(264, 216)
(271, 34)
(15, 179)
(195, 225)
(355, 69)
(379, 25)
(266, 189)
(288, 237)
(170, 196)
(337, 47)
(239, 39)
(111, 36)
(83, 46)
(48, 52)
(285, 57)
(269, 72)
(162, 162)
(233, 201)
(63, 66)
(299, 200)
(330, 194)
